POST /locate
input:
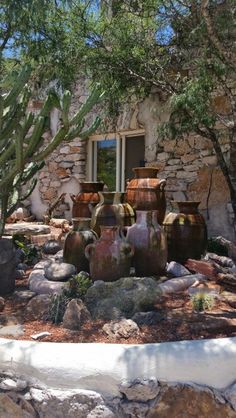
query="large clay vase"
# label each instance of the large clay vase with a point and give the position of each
(146, 191)
(150, 246)
(186, 232)
(110, 256)
(86, 199)
(111, 211)
(76, 241)
(7, 266)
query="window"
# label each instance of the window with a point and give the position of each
(111, 158)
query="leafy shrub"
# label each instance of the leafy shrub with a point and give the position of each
(213, 246)
(202, 301)
(76, 287)
(31, 253)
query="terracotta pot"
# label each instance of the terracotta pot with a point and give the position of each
(112, 211)
(76, 241)
(110, 256)
(86, 199)
(146, 191)
(150, 246)
(186, 232)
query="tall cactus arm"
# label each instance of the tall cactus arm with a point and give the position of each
(95, 97)
(1, 111)
(85, 134)
(19, 148)
(35, 137)
(58, 138)
(22, 79)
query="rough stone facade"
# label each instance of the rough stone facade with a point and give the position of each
(189, 165)
(138, 399)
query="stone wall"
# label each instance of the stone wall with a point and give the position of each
(189, 165)
(141, 398)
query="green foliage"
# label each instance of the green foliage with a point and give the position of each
(213, 246)
(31, 253)
(76, 287)
(202, 301)
(22, 144)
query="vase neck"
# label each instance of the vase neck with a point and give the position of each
(144, 217)
(81, 224)
(188, 207)
(109, 232)
(110, 198)
(145, 172)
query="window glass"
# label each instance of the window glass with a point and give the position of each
(106, 163)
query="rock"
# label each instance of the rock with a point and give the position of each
(230, 298)
(8, 408)
(68, 403)
(147, 318)
(228, 245)
(2, 303)
(134, 409)
(26, 229)
(220, 259)
(230, 395)
(12, 330)
(20, 256)
(227, 279)
(176, 269)
(40, 285)
(76, 314)
(124, 328)
(20, 274)
(22, 266)
(206, 268)
(10, 384)
(38, 307)
(122, 298)
(59, 271)
(101, 411)
(41, 335)
(21, 213)
(58, 223)
(140, 389)
(23, 295)
(188, 401)
(181, 283)
(51, 247)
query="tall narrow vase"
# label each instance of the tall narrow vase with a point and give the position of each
(76, 242)
(186, 232)
(146, 191)
(149, 241)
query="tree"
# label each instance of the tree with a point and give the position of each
(186, 49)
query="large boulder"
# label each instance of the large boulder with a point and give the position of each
(122, 298)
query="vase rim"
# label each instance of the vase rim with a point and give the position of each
(81, 219)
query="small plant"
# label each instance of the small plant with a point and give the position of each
(202, 301)
(57, 307)
(30, 253)
(76, 287)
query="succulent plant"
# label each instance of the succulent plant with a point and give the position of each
(23, 148)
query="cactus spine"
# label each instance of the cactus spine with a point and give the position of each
(22, 147)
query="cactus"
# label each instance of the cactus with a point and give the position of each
(22, 146)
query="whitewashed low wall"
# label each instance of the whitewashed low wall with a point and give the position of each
(102, 367)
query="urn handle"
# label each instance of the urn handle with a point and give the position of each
(73, 197)
(88, 249)
(162, 184)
